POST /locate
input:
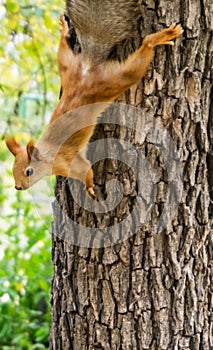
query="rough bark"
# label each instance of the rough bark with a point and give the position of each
(152, 290)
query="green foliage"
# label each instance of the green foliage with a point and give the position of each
(25, 273)
(29, 37)
(29, 88)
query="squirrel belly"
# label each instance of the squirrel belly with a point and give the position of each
(86, 81)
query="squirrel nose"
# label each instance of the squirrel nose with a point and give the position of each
(18, 188)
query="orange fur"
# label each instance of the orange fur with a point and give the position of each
(84, 83)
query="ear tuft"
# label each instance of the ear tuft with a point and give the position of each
(32, 151)
(14, 146)
(30, 147)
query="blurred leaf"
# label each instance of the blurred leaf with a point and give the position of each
(39, 12)
(12, 6)
(29, 36)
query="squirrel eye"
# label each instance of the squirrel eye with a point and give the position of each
(29, 171)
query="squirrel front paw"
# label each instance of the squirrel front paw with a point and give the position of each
(64, 25)
(91, 192)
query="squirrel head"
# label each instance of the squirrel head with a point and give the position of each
(29, 166)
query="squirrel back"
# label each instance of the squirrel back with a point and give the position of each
(100, 25)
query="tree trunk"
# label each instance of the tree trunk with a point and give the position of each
(138, 275)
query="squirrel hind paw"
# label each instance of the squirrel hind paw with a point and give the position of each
(64, 25)
(167, 35)
(175, 30)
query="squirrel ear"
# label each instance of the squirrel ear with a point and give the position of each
(32, 151)
(14, 146)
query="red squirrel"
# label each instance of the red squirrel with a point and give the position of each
(84, 82)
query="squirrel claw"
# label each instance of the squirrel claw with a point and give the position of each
(91, 192)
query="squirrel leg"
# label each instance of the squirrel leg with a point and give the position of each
(120, 76)
(65, 54)
(89, 183)
(137, 63)
(145, 53)
(64, 26)
(141, 59)
(81, 170)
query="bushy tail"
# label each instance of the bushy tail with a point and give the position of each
(101, 24)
